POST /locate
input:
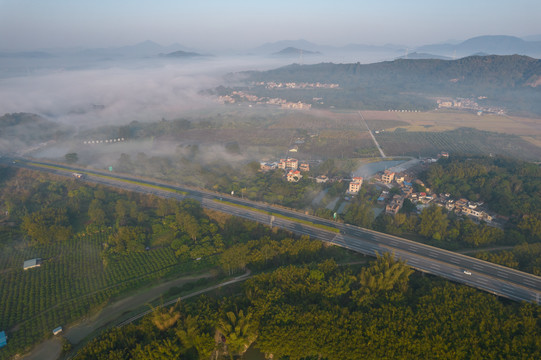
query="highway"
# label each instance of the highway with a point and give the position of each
(496, 279)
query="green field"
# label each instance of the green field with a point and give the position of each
(460, 141)
(73, 280)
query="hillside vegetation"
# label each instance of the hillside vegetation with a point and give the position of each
(508, 81)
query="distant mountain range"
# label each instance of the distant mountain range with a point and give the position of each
(144, 49)
(276, 47)
(293, 51)
(182, 54)
(26, 54)
(489, 44)
(493, 45)
(416, 55)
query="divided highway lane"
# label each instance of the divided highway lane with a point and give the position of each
(465, 262)
(444, 269)
(496, 279)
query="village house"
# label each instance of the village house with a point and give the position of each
(294, 176)
(444, 154)
(395, 205)
(472, 212)
(355, 185)
(460, 204)
(392, 209)
(288, 164)
(297, 106)
(304, 167)
(267, 166)
(383, 197)
(321, 179)
(407, 190)
(398, 199)
(387, 177)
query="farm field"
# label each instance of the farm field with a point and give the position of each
(442, 120)
(460, 141)
(266, 133)
(428, 133)
(72, 280)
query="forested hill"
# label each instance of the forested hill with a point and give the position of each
(512, 82)
(478, 71)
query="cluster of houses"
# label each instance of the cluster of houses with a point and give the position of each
(393, 203)
(292, 167)
(294, 85)
(469, 104)
(241, 96)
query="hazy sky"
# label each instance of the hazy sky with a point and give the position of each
(238, 24)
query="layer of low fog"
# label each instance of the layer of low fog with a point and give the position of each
(88, 92)
(85, 93)
(141, 90)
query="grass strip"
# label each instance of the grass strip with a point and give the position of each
(302, 221)
(129, 181)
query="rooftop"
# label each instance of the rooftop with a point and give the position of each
(28, 264)
(3, 339)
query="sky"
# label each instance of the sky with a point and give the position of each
(241, 24)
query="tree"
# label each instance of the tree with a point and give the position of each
(47, 225)
(384, 275)
(433, 223)
(360, 213)
(188, 224)
(239, 330)
(158, 350)
(531, 225)
(234, 258)
(163, 318)
(71, 158)
(191, 334)
(96, 213)
(128, 239)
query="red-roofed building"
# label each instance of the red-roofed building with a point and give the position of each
(294, 176)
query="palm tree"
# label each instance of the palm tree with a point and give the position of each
(238, 331)
(163, 318)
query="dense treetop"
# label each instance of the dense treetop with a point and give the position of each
(329, 312)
